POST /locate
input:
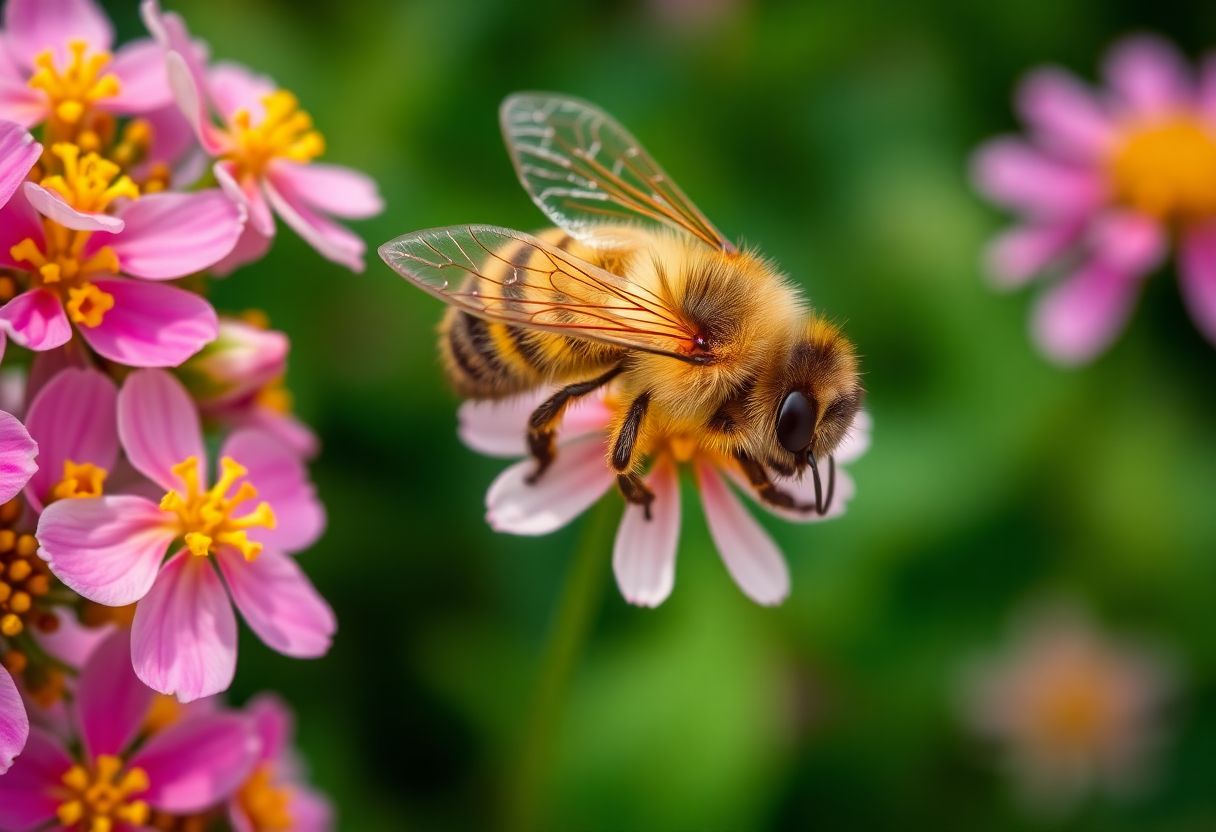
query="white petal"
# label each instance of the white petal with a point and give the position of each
(750, 555)
(644, 556)
(857, 441)
(499, 428)
(577, 478)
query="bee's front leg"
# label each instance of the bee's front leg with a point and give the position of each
(766, 489)
(542, 424)
(624, 447)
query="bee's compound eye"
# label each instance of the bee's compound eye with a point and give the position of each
(795, 422)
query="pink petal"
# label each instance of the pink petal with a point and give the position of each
(73, 642)
(151, 324)
(18, 221)
(142, 76)
(27, 791)
(189, 93)
(331, 240)
(111, 704)
(36, 320)
(46, 365)
(289, 430)
(1019, 255)
(857, 441)
(17, 453)
(72, 418)
(18, 152)
(52, 206)
(644, 554)
(803, 491)
(310, 811)
(171, 235)
(327, 189)
(279, 603)
(750, 555)
(197, 762)
(282, 481)
(32, 26)
(1198, 274)
(19, 103)
(248, 192)
(233, 88)
(499, 428)
(172, 135)
(158, 425)
(577, 479)
(274, 723)
(183, 638)
(107, 549)
(251, 247)
(1127, 242)
(1012, 173)
(1065, 113)
(1149, 76)
(14, 722)
(1081, 317)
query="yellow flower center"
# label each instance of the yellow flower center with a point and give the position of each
(94, 799)
(24, 578)
(205, 517)
(90, 182)
(1167, 169)
(266, 803)
(164, 712)
(284, 132)
(79, 479)
(72, 90)
(1074, 711)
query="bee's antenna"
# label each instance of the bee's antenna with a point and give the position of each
(819, 507)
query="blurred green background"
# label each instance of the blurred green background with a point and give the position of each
(835, 136)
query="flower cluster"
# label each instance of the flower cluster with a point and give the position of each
(126, 177)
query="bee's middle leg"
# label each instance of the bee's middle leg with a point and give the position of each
(624, 447)
(542, 424)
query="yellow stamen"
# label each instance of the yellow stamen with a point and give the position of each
(284, 132)
(90, 183)
(266, 802)
(205, 517)
(98, 797)
(24, 580)
(79, 480)
(72, 90)
(1167, 169)
(87, 305)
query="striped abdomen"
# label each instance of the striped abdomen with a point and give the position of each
(490, 360)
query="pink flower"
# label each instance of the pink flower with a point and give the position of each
(76, 239)
(14, 722)
(1071, 709)
(116, 776)
(645, 550)
(17, 453)
(18, 153)
(57, 64)
(264, 148)
(236, 536)
(275, 795)
(1105, 185)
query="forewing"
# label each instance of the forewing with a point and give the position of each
(586, 171)
(548, 289)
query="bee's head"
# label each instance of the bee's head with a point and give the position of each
(816, 397)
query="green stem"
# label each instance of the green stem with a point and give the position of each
(579, 604)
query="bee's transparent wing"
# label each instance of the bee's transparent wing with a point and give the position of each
(586, 171)
(511, 277)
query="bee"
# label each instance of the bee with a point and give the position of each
(634, 287)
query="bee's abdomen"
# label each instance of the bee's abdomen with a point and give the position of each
(490, 360)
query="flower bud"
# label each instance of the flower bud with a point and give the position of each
(241, 360)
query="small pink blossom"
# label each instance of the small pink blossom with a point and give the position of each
(264, 146)
(116, 775)
(235, 534)
(1072, 710)
(644, 553)
(1105, 186)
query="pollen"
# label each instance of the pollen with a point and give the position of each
(24, 578)
(100, 797)
(83, 479)
(284, 132)
(266, 803)
(87, 305)
(73, 89)
(208, 517)
(1167, 169)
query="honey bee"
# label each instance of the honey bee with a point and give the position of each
(634, 287)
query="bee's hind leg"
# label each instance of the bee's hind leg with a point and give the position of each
(542, 424)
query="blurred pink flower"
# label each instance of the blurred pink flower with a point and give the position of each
(1071, 709)
(275, 796)
(74, 241)
(57, 63)
(645, 550)
(111, 779)
(261, 508)
(264, 148)
(14, 722)
(18, 153)
(1105, 184)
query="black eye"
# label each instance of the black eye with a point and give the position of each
(795, 422)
